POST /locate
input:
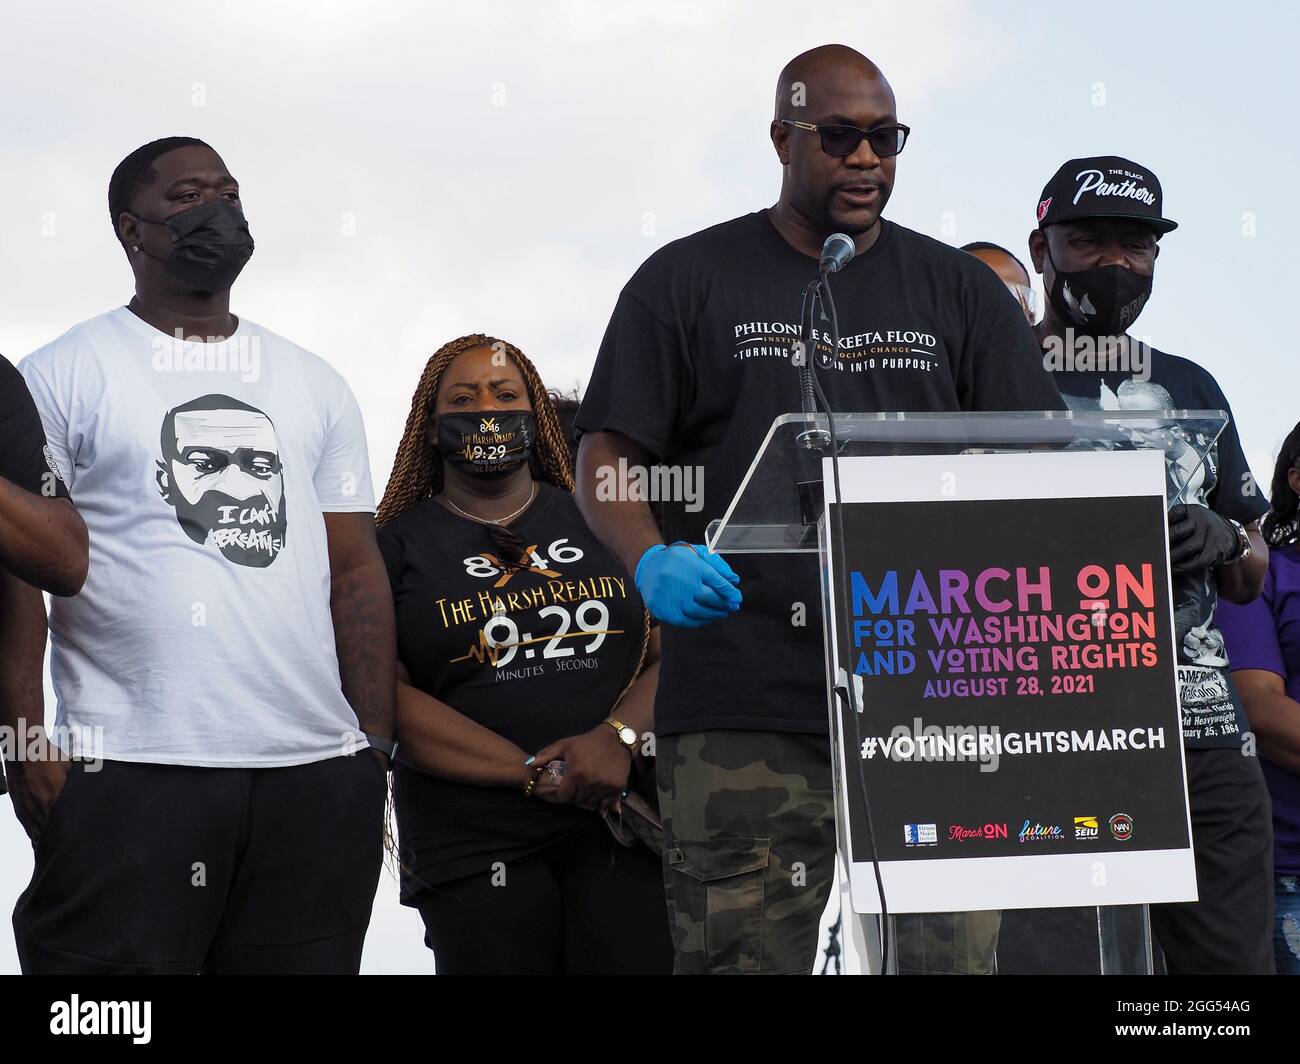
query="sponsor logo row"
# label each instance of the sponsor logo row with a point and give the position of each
(1085, 828)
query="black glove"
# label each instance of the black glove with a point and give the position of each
(1200, 539)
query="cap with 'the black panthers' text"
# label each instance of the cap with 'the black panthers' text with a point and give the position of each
(1104, 186)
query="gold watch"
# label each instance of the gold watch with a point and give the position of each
(625, 732)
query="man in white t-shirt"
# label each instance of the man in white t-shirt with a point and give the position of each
(229, 660)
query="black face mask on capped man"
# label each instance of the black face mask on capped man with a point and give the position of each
(210, 245)
(1101, 301)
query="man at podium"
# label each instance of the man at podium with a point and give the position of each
(694, 366)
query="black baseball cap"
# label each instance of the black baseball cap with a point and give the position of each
(1104, 186)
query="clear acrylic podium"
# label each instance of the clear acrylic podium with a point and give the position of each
(778, 509)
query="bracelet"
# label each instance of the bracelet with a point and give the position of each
(537, 774)
(1244, 549)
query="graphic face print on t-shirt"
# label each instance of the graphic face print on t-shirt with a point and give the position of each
(220, 469)
(1190, 478)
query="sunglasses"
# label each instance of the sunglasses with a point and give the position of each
(840, 141)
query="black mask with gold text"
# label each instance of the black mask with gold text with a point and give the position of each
(486, 443)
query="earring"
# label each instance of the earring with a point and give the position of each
(135, 247)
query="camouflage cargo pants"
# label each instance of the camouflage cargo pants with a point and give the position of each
(749, 848)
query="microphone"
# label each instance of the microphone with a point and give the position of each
(837, 252)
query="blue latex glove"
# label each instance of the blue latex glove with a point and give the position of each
(686, 585)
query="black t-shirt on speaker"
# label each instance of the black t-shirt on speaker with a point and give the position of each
(24, 455)
(534, 655)
(695, 365)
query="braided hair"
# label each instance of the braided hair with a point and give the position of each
(1281, 524)
(417, 469)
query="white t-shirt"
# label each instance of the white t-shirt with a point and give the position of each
(203, 635)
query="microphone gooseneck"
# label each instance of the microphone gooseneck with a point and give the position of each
(837, 252)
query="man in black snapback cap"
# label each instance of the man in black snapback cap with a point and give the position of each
(1104, 186)
(1100, 221)
(1089, 201)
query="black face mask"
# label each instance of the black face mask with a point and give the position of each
(210, 245)
(1102, 301)
(486, 443)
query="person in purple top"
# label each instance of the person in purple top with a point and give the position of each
(1263, 640)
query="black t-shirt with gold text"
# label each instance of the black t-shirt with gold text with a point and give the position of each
(534, 655)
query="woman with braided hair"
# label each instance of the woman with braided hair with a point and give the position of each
(1263, 641)
(527, 673)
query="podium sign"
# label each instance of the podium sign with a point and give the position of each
(1007, 621)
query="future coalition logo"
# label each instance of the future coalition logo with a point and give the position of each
(1032, 831)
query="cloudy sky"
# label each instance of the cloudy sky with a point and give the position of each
(413, 172)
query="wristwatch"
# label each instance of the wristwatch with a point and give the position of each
(1243, 543)
(387, 747)
(626, 734)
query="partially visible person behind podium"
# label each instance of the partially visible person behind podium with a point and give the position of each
(694, 367)
(1263, 641)
(1099, 225)
(1011, 271)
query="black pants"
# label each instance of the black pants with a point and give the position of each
(145, 869)
(582, 906)
(1230, 930)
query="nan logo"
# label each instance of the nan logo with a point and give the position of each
(920, 835)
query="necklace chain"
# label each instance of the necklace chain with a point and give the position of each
(532, 494)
